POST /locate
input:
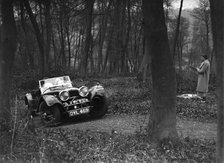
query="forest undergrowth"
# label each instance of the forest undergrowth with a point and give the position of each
(126, 96)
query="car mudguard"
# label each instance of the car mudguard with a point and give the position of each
(97, 90)
(51, 100)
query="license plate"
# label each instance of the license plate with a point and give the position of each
(80, 101)
(79, 111)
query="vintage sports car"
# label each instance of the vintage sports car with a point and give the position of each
(57, 98)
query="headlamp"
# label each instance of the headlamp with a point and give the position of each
(83, 91)
(64, 95)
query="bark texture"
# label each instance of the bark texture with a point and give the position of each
(88, 31)
(37, 34)
(177, 28)
(162, 123)
(217, 18)
(7, 53)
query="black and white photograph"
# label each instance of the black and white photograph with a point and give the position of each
(111, 81)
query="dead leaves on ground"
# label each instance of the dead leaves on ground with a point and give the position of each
(135, 98)
(57, 145)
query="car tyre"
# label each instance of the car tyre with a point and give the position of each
(49, 115)
(99, 107)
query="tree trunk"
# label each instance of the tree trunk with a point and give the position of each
(139, 46)
(117, 39)
(38, 36)
(62, 40)
(7, 53)
(27, 42)
(102, 35)
(78, 44)
(177, 29)
(125, 47)
(217, 19)
(92, 67)
(207, 37)
(179, 53)
(69, 48)
(109, 47)
(48, 32)
(146, 62)
(89, 9)
(162, 123)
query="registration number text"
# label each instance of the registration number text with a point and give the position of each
(79, 111)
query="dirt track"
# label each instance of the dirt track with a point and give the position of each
(130, 124)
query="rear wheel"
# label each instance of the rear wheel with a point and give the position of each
(99, 107)
(49, 115)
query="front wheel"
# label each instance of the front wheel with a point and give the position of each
(49, 115)
(99, 107)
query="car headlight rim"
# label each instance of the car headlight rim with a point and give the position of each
(83, 91)
(64, 95)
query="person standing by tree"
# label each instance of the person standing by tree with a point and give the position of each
(203, 77)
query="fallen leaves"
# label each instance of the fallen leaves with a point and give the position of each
(58, 145)
(195, 109)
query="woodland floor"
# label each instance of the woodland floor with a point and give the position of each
(132, 124)
(120, 136)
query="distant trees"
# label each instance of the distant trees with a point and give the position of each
(114, 43)
(183, 39)
(202, 24)
(89, 36)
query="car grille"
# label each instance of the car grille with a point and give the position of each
(73, 93)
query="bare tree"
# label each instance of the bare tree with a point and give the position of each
(102, 32)
(88, 37)
(38, 35)
(202, 15)
(27, 38)
(177, 28)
